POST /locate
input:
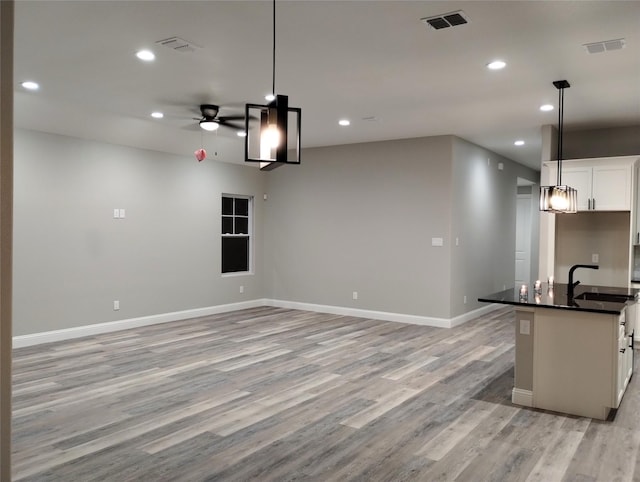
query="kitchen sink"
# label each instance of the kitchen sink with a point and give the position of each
(608, 297)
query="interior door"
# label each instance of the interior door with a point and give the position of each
(523, 239)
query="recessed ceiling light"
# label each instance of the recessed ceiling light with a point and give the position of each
(30, 85)
(157, 115)
(269, 97)
(241, 134)
(496, 65)
(146, 55)
(546, 107)
(519, 143)
(344, 122)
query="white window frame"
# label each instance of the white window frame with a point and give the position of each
(250, 200)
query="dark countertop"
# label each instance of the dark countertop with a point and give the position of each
(557, 298)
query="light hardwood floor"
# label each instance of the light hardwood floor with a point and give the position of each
(281, 395)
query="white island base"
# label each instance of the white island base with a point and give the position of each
(574, 362)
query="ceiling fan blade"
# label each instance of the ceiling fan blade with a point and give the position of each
(226, 118)
(231, 126)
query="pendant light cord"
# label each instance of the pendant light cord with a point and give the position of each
(560, 129)
(273, 85)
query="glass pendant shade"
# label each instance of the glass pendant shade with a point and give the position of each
(273, 130)
(558, 199)
(273, 133)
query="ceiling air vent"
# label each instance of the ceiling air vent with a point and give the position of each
(604, 46)
(178, 44)
(447, 20)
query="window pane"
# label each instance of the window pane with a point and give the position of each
(242, 225)
(227, 205)
(242, 207)
(227, 225)
(235, 254)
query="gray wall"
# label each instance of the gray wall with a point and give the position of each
(484, 220)
(588, 143)
(583, 234)
(72, 259)
(615, 141)
(350, 218)
(360, 217)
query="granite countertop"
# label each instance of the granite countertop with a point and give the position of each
(557, 298)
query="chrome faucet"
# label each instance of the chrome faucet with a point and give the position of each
(571, 283)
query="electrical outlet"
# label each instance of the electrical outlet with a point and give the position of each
(116, 213)
(464, 299)
(116, 305)
(595, 258)
(242, 289)
(525, 327)
(355, 295)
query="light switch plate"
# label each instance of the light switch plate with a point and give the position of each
(525, 327)
(437, 242)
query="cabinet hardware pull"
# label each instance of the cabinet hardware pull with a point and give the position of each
(594, 204)
(589, 204)
(622, 350)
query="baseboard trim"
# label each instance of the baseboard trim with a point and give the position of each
(522, 397)
(470, 315)
(21, 341)
(384, 315)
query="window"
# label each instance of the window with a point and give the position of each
(236, 233)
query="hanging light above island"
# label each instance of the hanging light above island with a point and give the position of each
(559, 198)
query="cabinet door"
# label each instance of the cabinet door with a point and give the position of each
(611, 188)
(579, 178)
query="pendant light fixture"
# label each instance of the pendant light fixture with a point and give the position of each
(273, 130)
(559, 198)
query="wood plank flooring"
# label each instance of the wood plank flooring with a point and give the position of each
(271, 394)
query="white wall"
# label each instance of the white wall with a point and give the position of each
(72, 259)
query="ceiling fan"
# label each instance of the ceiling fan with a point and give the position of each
(210, 121)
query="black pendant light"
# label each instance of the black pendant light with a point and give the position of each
(272, 130)
(559, 198)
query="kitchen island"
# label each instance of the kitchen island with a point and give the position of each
(574, 351)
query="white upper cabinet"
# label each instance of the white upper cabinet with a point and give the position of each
(579, 178)
(601, 186)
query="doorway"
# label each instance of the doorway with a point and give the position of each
(524, 205)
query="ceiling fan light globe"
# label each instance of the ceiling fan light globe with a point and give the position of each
(209, 125)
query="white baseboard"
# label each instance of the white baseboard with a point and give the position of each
(522, 397)
(110, 326)
(470, 315)
(384, 315)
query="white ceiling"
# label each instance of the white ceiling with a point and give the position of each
(335, 59)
